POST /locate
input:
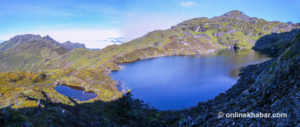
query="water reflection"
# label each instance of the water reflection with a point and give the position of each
(241, 58)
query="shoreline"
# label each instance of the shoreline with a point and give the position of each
(121, 66)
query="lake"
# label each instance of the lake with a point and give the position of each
(178, 82)
(76, 93)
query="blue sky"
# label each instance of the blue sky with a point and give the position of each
(95, 22)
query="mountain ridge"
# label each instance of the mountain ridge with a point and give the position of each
(28, 52)
(19, 39)
(26, 62)
(233, 29)
(72, 45)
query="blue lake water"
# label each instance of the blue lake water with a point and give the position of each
(177, 82)
(76, 93)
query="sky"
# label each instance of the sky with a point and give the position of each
(98, 23)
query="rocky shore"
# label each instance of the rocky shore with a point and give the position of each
(269, 87)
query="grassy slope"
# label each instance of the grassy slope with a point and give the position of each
(89, 69)
(189, 37)
(269, 87)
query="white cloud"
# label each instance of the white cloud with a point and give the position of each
(138, 24)
(92, 38)
(188, 3)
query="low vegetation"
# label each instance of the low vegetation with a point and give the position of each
(31, 66)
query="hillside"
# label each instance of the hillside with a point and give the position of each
(32, 65)
(196, 36)
(269, 87)
(28, 52)
(31, 52)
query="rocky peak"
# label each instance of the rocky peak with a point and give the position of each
(14, 41)
(47, 37)
(68, 45)
(236, 14)
(24, 38)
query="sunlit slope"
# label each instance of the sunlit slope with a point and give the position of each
(196, 36)
(26, 57)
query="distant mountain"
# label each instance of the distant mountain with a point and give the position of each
(19, 39)
(70, 45)
(202, 35)
(30, 52)
(25, 52)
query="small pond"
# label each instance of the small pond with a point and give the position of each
(76, 93)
